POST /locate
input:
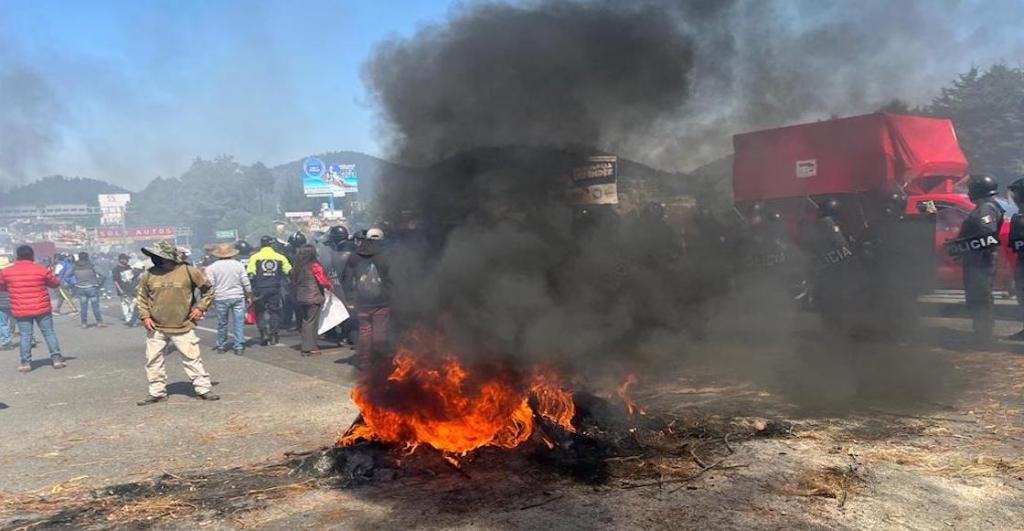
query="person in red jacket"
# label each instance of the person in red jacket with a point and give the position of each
(26, 283)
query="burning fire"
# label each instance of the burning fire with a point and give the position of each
(431, 398)
(623, 392)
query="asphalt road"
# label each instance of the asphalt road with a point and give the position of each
(81, 426)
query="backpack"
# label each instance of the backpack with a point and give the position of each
(370, 285)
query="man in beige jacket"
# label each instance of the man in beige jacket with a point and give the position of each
(167, 309)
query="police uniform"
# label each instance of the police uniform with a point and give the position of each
(977, 244)
(267, 270)
(1016, 244)
(832, 281)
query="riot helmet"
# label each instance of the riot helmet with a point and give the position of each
(982, 186)
(267, 241)
(297, 239)
(1016, 189)
(895, 204)
(243, 247)
(336, 235)
(828, 208)
(756, 213)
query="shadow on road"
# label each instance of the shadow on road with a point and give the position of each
(184, 389)
(3, 406)
(48, 361)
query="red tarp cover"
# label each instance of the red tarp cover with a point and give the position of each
(855, 154)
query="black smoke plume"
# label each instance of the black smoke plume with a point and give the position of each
(502, 100)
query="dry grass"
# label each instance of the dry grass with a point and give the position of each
(836, 482)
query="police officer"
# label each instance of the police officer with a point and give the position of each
(290, 311)
(267, 269)
(891, 274)
(1016, 244)
(339, 250)
(977, 244)
(833, 270)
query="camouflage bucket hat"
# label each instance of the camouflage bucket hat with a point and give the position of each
(163, 249)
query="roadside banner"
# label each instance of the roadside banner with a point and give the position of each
(136, 233)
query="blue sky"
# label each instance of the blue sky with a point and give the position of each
(140, 88)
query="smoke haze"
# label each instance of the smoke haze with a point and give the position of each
(503, 99)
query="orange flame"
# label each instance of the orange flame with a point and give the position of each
(430, 398)
(623, 392)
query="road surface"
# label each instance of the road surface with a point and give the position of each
(81, 423)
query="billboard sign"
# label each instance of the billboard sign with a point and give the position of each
(226, 234)
(595, 182)
(112, 208)
(334, 180)
(114, 200)
(136, 233)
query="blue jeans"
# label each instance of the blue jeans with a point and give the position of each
(235, 309)
(5, 327)
(87, 297)
(45, 323)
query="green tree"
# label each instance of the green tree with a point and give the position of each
(987, 107)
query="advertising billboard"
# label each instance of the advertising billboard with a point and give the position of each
(112, 207)
(594, 182)
(334, 180)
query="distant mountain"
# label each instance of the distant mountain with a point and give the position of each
(58, 189)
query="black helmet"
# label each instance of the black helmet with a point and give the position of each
(336, 234)
(267, 241)
(828, 208)
(1016, 188)
(895, 203)
(981, 186)
(296, 239)
(243, 247)
(360, 235)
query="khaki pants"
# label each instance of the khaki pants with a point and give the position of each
(186, 343)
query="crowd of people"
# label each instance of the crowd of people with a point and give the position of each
(279, 284)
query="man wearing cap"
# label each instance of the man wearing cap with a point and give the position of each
(231, 291)
(166, 306)
(367, 285)
(267, 268)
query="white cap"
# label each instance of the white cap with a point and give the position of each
(375, 234)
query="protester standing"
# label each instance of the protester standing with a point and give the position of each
(310, 281)
(165, 302)
(87, 282)
(267, 269)
(62, 269)
(126, 283)
(231, 291)
(26, 282)
(6, 342)
(367, 284)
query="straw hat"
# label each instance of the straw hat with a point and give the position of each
(224, 250)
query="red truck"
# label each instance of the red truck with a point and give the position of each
(860, 160)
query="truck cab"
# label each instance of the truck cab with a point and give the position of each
(860, 160)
